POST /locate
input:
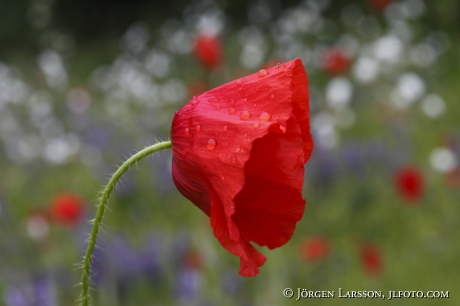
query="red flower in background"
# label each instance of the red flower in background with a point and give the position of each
(410, 184)
(371, 259)
(336, 61)
(315, 248)
(208, 51)
(380, 4)
(67, 208)
(238, 154)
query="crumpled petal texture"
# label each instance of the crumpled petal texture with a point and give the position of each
(238, 154)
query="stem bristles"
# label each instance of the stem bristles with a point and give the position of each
(86, 265)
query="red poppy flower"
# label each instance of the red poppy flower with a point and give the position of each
(371, 259)
(67, 208)
(238, 154)
(315, 248)
(409, 182)
(380, 4)
(336, 61)
(208, 51)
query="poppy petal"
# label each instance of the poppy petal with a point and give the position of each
(190, 183)
(250, 258)
(239, 152)
(301, 108)
(270, 203)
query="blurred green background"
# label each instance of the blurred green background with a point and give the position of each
(84, 84)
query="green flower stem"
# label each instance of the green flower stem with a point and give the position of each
(85, 295)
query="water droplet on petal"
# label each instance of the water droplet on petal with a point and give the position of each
(240, 89)
(272, 96)
(232, 102)
(283, 129)
(198, 128)
(225, 128)
(187, 131)
(231, 111)
(211, 144)
(238, 149)
(213, 99)
(222, 177)
(238, 82)
(245, 100)
(218, 107)
(256, 125)
(245, 134)
(265, 116)
(263, 73)
(280, 66)
(195, 102)
(245, 115)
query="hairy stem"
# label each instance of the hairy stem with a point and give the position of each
(85, 295)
